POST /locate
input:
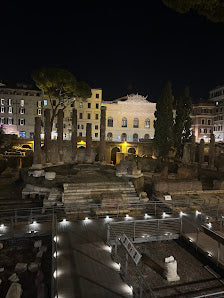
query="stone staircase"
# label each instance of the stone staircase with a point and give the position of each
(101, 191)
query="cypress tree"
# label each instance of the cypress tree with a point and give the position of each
(183, 122)
(164, 122)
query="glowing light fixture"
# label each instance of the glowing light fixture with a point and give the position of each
(209, 225)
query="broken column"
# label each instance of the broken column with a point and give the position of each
(60, 134)
(47, 134)
(171, 269)
(74, 135)
(193, 148)
(88, 141)
(102, 134)
(201, 151)
(186, 154)
(211, 162)
(37, 145)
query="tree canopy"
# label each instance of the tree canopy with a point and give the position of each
(211, 9)
(61, 85)
(164, 122)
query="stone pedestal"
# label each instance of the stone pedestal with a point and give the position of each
(88, 141)
(37, 165)
(201, 151)
(47, 134)
(74, 135)
(102, 134)
(211, 162)
(60, 134)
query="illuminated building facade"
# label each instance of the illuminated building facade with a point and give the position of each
(18, 108)
(129, 119)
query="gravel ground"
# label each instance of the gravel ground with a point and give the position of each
(195, 279)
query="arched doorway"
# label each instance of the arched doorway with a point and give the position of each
(113, 154)
(132, 150)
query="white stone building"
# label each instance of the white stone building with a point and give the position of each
(129, 118)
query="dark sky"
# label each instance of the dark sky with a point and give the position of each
(119, 46)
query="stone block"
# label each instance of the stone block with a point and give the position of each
(38, 173)
(14, 291)
(50, 175)
(1, 245)
(13, 277)
(33, 267)
(37, 244)
(21, 267)
(171, 269)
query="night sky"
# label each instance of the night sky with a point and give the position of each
(119, 46)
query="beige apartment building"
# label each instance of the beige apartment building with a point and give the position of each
(88, 111)
(129, 118)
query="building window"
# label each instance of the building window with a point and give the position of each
(2, 109)
(39, 112)
(147, 123)
(72, 104)
(78, 126)
(89, 105)
(202, 121)
(2, 120)
(22, 134)
(201, 130)
(88, 116)
(209, 121)
(22, 121)
(45, 102)
(124, 137)
(109, 136)
(96, 135)
(10, 121)
(96, 127)
(80, 134)
(135, 123)
(81, 105)
(22, 110)
(2, 101)
(205, 130)
(82, 126)
(110, 122)
(22, 102)
(80, 115)
(97, 95)
(97, 106)
(10, 101)
(135, 137)
(10, 110)
(124, 122)
(146, 136)
(97, 116)
(31, 135)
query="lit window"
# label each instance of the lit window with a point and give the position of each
(22, 134)
(2, 101)
(45, 102)
(10, 101)
(147, 123)
(10, 110)
(2, 110)
(22, 121)
(39, 112)
(81, 105)
(22, 111)
(118, 138)
(135, 123)
(22, 102)
(124, 122)
(2, 120)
